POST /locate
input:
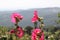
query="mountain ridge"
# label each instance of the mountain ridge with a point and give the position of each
(49, 14)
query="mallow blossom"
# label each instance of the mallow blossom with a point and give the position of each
(37, 34)
(16, 17)
(18, 32)
(12, 31)
(35, 16)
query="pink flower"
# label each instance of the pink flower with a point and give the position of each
(16, 17)
(12, 31)
(35, 32)
(42, 37)
(20, 32)
(35, 17)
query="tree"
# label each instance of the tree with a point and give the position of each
(28, 30)
(58, 21)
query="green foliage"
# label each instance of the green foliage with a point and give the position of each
(58, 21)
(28, 29)
(27, 36)
(59, 15)
(51, 29)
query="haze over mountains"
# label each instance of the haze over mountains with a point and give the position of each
(49, 14)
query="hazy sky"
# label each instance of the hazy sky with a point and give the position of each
(27, 4)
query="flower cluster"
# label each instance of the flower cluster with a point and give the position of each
(16, 17)
(35, 17)
(18, 31)
(37, 34)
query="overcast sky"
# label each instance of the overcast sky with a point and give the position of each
(27, 4)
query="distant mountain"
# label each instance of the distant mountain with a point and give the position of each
(49, 14)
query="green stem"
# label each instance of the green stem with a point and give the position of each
(16, 30)
(35, 24)
(16, 38)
